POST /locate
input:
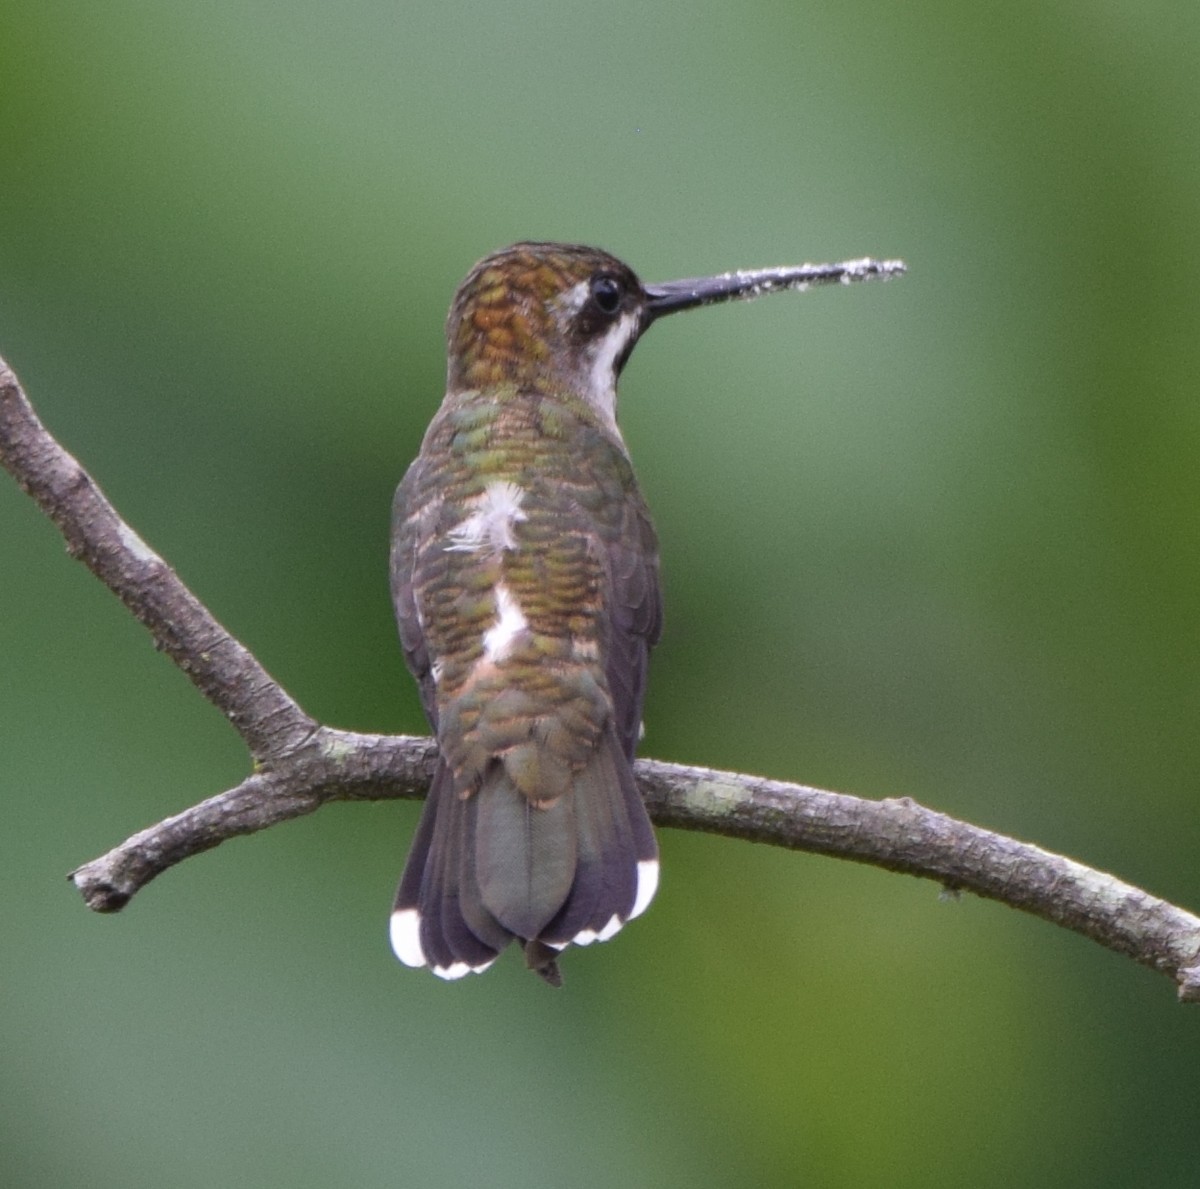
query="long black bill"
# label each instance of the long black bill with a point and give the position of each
(671, 296)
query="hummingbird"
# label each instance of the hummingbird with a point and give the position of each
(525, 578)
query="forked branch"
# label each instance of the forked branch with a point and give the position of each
(299, 764)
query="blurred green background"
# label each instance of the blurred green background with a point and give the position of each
(937, 538)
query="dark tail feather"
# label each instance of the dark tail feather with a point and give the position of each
(437, 919)
(479, 920)
(493, 866)
(617, 869)
(606, 878)
(524, 854)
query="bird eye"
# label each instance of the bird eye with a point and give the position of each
(606, 293)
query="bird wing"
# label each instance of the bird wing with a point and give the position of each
(407, 518)
(635, 607)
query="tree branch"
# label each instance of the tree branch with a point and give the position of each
(300, 765)
(224, 671)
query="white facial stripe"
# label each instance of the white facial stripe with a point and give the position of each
(602, 379)
(569, 304)
(489, 527)
(499, 638)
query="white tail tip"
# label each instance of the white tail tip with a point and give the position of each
(405, 931)
(647, 885)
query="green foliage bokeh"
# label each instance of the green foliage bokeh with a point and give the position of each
(937, 538)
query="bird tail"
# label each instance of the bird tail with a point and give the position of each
(493, 866)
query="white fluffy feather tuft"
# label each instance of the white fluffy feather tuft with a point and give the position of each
(498, 640)
(489, 527)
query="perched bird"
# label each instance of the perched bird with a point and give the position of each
(525, 578)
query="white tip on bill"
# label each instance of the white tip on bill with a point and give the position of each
(405, 930)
